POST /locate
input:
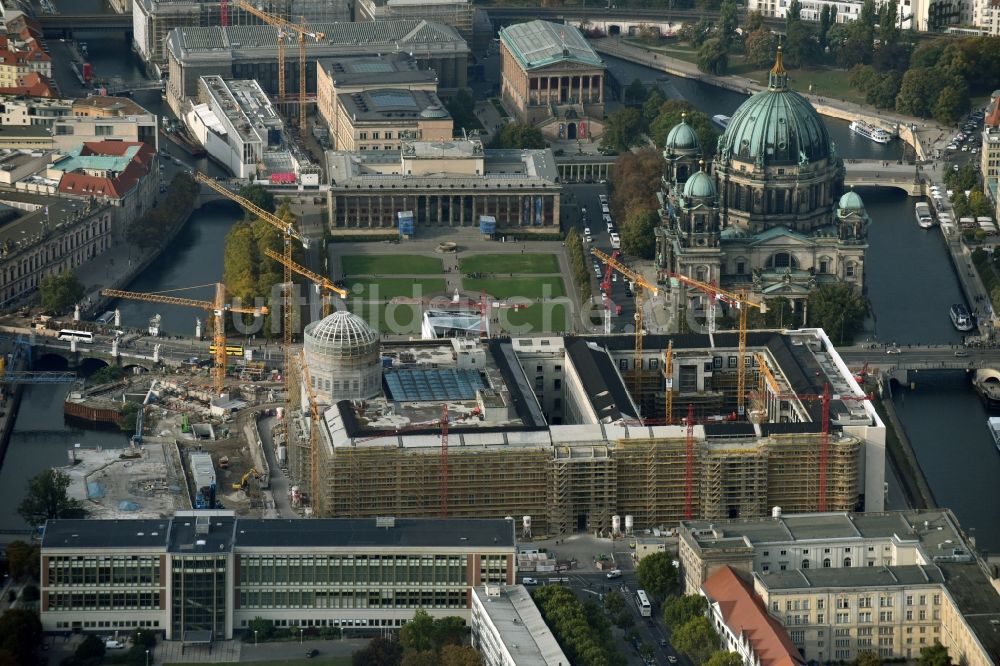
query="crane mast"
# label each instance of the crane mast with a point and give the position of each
(288, 232)
(218, 307)
(317, 279)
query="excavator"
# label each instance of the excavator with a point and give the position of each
(252, 473)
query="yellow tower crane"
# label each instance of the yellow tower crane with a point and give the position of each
(321, 282)
(218, 308)
(302, 31)
(313, 438)
(288, 232)
(640, 284)
(743, 303)
(668, 384)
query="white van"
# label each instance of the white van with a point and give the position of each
(615, 573)
(112, 644)
(616, 242)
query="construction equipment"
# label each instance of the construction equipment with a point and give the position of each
(22, 354)
(141, 415)
(668, 384)
(639, 284)
(224, 13)
(743, 303)
(605, 290)
(217, 307)
(285, 27)
(252, 473)
(825, 397)
(321, 282)
(314, 493)
(288, 232)
(444, 460)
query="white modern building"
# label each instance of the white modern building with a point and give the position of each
(921, 15)
(508, 629)
(236, 123)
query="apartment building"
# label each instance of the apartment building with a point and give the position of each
(842, 583)
(24, 111)
(989, 157)
(920, 15)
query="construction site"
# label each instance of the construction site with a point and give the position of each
(551, 427)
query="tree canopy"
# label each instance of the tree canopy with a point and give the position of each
(678, 610)
(153, 228)
(259, 196)
(21, 635)
(635, 180)
(638, 239)
(461, 106)
(578, 263)
(520, 136)
(713, 57)
(379, 652)
(657, 574)
(868, 658)
(622, 130)
(697, 639)
(23, 560)
(838, 309)
(935, 655)
(46, 498)
(723, 658)
(581, 629)
(672, 112)
(60, 292)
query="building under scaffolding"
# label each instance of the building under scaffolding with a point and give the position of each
(546, 427)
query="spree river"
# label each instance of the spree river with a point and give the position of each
(910, 281)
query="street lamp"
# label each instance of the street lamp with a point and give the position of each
(300, 635)
(147, 657)
(255, 637)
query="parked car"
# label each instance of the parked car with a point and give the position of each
(312, 653)
(529, 581)
(615, 573)
(112, 644)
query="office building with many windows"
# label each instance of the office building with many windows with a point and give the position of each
(203, 575)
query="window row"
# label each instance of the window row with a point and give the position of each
(292, 573)
(104, 601)
(326, 599)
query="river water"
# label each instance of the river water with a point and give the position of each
(910, 281)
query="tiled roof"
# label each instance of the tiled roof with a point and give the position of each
(122, 105)
(140, 157)
(32, 84)
(993, 116)
(540, 43)
(744, 614)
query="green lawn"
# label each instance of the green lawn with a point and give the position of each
(540, 317)
(542, 287)
(509, 263)
(392, 287)
(396, 319)
(392, 264)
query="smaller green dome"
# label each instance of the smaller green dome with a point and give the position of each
(682, 137)
(851, 201)
(699, 186)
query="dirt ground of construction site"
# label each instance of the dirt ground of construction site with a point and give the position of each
(156, 478)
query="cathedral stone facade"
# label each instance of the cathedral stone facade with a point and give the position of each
(770, 217)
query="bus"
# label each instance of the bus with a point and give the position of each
(231, 350)
(79, 336)
(642, 602)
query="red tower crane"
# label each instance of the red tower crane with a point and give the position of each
(224, 13)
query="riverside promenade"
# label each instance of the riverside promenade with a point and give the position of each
(926, 136)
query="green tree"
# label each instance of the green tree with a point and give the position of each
(23, 560)
(888, 24)
(520, 136)
(965, 178)
(460, 655)
(47, 498)
(935, 655)
(622, 129)
(838, 309)
(759, 47)
(868, 658)
(824, 25)
(30, 593)
(713, 57)
(728, 21)
(260, 629)
(21, 634)
(153, 228)
(90, 650)
(259, 196)
(657, 574)
(379, 652)
(635, 181)
(678, 610)
(614, 602)
(578, 263)
(420, 658)
(723, 658)
(418, 632)
(637, 233)
(754, 21)
(60, 292)
(581, 629)
(697, 639)
(917, 92)
(462, 107)
(635, 94)
(651, 107)
(449, 630)
(951, 105)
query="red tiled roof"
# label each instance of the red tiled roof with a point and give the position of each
(744, 614)
(33, 84)
(113, 188)
(993, 116)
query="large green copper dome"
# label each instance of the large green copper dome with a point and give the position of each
(777, 126)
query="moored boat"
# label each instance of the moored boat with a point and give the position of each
(961, 317)
(721, 120)
(994, 424)
(923, 214)
(873, 132)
